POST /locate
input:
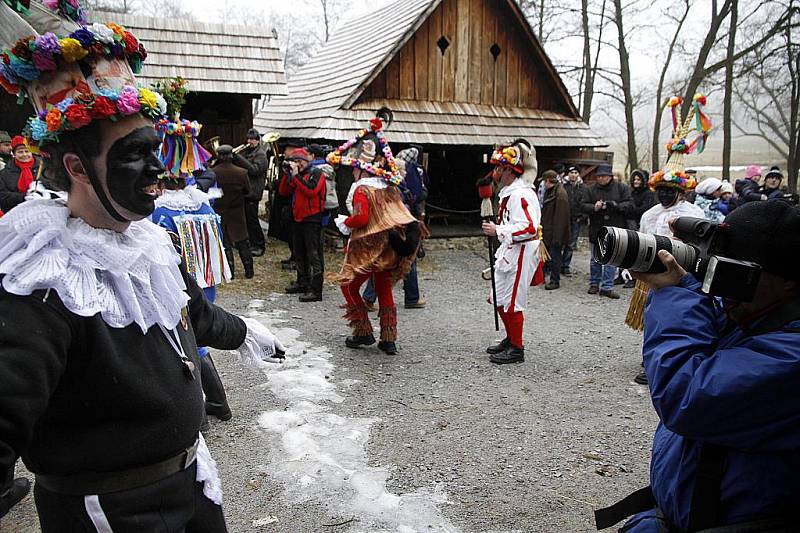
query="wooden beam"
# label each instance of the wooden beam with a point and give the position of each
(475, 39)
(421, 53)
(463, 43)
(487, 72)
(434, 56)
(407, 72)
(450, 59)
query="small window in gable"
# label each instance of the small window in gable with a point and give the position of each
(495, 51)
(443, 44)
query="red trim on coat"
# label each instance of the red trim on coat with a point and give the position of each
(530, 229)
(516, 278)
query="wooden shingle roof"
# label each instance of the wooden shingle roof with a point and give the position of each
(211, 57)
(329, 97)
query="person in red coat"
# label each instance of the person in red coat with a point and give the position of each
(306, 185)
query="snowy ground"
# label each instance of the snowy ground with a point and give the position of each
(434, 439)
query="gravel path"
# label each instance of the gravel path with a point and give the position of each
(434, 438)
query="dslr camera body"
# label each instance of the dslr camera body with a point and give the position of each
(702, 250)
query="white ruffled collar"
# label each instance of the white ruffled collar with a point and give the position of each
(187, 199)
(129, 277)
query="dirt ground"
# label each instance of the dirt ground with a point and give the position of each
(435, 438)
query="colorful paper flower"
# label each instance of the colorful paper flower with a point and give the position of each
(83, 36)
(103, 33)
(64, 104)
(102, 108)
(23, 70)
(128, 102)
(48, 43)
(22, 49)
(77, 116)
(37, 129)
(53, 119)
(71, 50)
(43, 61)
(131, 44)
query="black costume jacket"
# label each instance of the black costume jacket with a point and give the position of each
(77, 395)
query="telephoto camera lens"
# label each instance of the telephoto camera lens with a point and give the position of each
(638, 252)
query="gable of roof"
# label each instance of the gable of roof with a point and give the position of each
(212, 57)
(330, 94)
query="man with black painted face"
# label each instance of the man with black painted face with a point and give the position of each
(99, 327)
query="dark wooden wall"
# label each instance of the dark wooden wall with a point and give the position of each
(226, 115)
(467, 71)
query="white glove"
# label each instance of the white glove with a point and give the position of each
(339, 220)
(626, 275)
(260, 344)
(214, 193)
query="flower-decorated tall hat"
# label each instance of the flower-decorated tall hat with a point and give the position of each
(674, 173)
(72, 72)
(519, 156)
(370, 151)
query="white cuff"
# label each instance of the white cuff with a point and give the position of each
(344, 228)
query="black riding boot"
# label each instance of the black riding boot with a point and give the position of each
(231, 263)
(216, 400)
(246, 255)
(314, 293)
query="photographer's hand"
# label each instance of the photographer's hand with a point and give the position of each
(669, 278)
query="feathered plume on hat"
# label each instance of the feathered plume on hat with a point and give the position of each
(520, 156)
(674, 173)
(71, 71)
(353, 153)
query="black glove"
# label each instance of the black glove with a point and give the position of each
(611, 205)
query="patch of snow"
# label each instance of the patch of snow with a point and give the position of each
(323, 455)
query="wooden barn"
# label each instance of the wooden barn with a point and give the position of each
(228, 69)
(459, 75)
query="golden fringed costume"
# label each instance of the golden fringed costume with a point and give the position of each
(368, 250)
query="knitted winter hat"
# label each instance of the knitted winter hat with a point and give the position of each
(752, 171)
(767, 233)
(294, 154)
(253, 133)
(708, 186)
(4, 137)
(774, 172)
(727, 187)
(409, 155)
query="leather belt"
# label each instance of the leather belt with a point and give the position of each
(107, 482)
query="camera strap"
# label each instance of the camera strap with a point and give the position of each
(704, 511)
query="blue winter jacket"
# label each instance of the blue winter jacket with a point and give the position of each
(711, 382)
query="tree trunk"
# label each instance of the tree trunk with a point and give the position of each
(625, 76)
(699, 70)
(541, 21)
(660, 100)
(793, 67)
(727, 134)
(588, 80)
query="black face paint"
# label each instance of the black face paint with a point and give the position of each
(667, 196)
(132, 171)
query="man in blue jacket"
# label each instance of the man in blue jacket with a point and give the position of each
(724, 380)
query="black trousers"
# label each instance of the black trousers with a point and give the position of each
(308, 255)
(254, 231)
(175, 504)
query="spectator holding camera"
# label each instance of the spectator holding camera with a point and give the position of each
(606, 202)
(306, 186)
(723, 378)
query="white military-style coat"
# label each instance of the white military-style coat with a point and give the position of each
(517, 258)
